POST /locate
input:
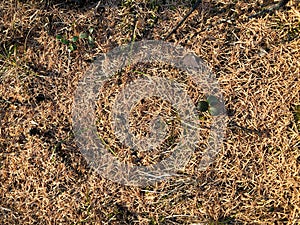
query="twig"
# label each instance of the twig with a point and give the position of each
(184, 18)
(271, 10)
(5, 209)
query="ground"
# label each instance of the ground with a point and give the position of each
(46, 47)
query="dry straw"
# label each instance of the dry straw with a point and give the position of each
(45, 180)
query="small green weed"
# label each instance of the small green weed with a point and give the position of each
(296, 113)
(212, 105)
(72, 43)
(8, 53)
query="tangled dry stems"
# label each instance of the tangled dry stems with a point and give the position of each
(45, 180)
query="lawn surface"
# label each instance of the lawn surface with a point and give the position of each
(47, 46)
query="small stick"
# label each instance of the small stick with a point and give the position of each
(5, 209)
(184, 18)
(281, 4)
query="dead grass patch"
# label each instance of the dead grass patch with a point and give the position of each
(45, 180)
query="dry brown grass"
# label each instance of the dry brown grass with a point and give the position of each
(255, 179)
